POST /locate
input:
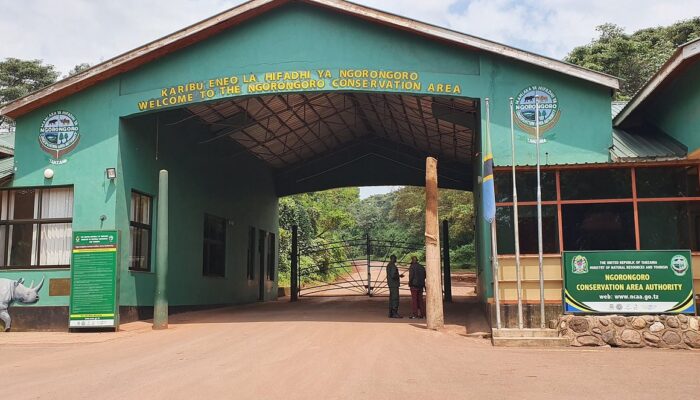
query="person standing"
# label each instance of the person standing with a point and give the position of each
(393, 281)
(416, 281)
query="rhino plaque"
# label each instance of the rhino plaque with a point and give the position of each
(14, 291)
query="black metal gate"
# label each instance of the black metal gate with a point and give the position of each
(353, 267)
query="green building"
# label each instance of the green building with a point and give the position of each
(276, 97)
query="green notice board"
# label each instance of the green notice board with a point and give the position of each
(628, 282)
(93, 300)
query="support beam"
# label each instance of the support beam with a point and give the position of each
(433, 286)
(160, 309)
(294, 284)
(446, 269)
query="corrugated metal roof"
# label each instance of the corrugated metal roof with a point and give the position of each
(655, 147)
(7, 167)
(616, 107)
(283, 130)
(7, 143)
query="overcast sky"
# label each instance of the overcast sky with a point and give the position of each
(69, 32)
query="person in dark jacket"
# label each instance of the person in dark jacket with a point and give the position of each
(416, 281)
(393, 281)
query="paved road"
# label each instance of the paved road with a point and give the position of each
(327, 349)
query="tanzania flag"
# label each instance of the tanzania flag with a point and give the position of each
(487, 189)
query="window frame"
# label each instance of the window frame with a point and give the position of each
(140, 225)
(271, 256)
(38, 222)
(635, 200)
(251, 251)
(208, 272)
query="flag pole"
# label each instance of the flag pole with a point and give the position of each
(488, 175)
(515, 219)
(539, 212)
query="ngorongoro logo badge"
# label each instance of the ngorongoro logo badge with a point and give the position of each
(679, 264)
(579, 265)
(59, 134)
(531, 100)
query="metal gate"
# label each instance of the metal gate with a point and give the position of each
(353, 267)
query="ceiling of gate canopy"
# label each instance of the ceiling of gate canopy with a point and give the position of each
(290, 129)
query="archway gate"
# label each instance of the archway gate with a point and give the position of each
(355, 266)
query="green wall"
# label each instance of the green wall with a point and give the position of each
(674, 109)
(94, 195)
(295, 37)
(203, 179)
(324, 40)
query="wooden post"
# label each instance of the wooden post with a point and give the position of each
(294, 278)
(446, 268)
(433, 286)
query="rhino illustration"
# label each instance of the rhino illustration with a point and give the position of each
(11, 291)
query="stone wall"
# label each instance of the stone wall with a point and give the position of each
(666, 331)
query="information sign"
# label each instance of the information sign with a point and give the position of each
(628, 282)
(93, 300)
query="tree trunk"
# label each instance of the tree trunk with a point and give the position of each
(433, 284)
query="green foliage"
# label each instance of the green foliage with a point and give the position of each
(21, 77)
(633, 58)
(78, 69)
(333, 215)
(322, 217)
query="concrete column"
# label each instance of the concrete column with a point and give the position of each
(433, 286)
(160, 309)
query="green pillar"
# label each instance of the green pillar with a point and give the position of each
(160, 309)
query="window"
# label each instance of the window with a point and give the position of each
(606, 226)
(527, 228)
(625, 208)
(251, 253)
(262, 238)
(669, 225)
(214, 262)
(271, 252)
(581, 184)
(140, 231)
(36, 228)
(526, 184)
(668, 182)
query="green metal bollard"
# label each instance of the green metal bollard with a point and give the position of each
(160, 309)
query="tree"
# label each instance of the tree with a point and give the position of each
(78, 69)
(633, 58)
(21, 77)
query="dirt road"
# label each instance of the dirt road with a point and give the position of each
(327, 349)
(354, 282)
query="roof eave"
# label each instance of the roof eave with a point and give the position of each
(682, 53)
(211, 26)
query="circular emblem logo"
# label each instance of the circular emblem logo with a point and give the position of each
(579, 265)
(679, 264)
(533, 100)
(59, 133)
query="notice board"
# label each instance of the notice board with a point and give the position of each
(93, 295)
(628, 282)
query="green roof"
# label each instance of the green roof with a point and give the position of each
(656, 146)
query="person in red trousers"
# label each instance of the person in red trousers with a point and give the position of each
(416, 281)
